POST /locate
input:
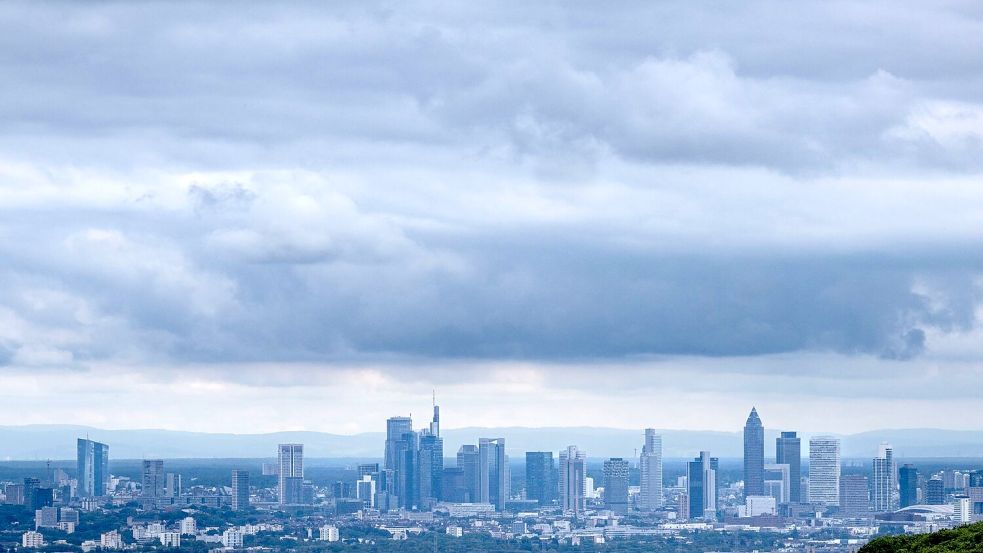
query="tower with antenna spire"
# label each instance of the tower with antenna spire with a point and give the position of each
(435, 423)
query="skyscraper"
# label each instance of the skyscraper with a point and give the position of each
(701, 478)
(539, 476)
(172, 485)
(616, 485)
(908, 483)
(430, 463)
(934, 492)
(240, 490)
(396, 428)
(788, 451)
(882, 479)
(467, 461)
(650, 471)
(291, 479)
(754, 455)
(93, 468)
(854, 495)
(492, 471)
(153, 478)
(573, 471)
(824, 470)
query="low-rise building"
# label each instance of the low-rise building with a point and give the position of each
(32, 539)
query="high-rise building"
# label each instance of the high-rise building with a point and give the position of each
(93, 468)
(882, 479)
(291, 478)
(908, 483)
(854, 495)
(492, 472)
(240, 490)
(778, 482)
(153, 478)
(615, 473)
(701, 487)
(467, 461)
(396, 428)
(172, 485)
(650, 471)
(539, 476)
(788, 451)
(754, 455)
(824, 471)
(573, 472)
(407, 475)
(31, 487)
(430, 468)
(934, 492)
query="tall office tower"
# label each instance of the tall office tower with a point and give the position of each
(172, 485)
(854, 495)
(882, 479)
(573, 472)
(407, 475)
(153, 478)
(435, 422)
(701, 478)
(290, 458)
(754, 455)
(650, 471)
(431, 469)
(467, 461)
(93, 468)
(788, 451)
(778, 482)
(240, 490)
(934, 492)
(492, 472)
(824, 471)
(539, 476)
(908, 482)
(616, 485)
(31, 487)
(396, 428)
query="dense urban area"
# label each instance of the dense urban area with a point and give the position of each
(416, 499)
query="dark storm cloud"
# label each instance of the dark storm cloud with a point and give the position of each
(254, 182)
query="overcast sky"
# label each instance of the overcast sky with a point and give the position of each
(254, 217)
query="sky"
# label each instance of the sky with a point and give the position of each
(247, 217)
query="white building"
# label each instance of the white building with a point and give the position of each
(188, 526)
(32, 539)
(111, 540)
(573, 481)
(455, 531)
(883, 481)
(328, 533)
(170, 539)
(757, 505)
(650, 469)
(232, 538)
(962, 510)
(469, 510)
(824, 470)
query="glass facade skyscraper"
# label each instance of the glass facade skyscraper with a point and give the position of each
(573, 472)
(882, 480)
(754, 455)
(291, 480)
(93, 468)
(908, 484)
(788, 451)
(701, 478)
(615, 473)
(539, 476)
(492, 472)
(650, 471)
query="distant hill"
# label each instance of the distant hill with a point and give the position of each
(965, 539)
(58, 442)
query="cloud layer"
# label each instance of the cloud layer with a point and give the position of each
(407, 187)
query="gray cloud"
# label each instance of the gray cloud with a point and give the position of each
(229, 182)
